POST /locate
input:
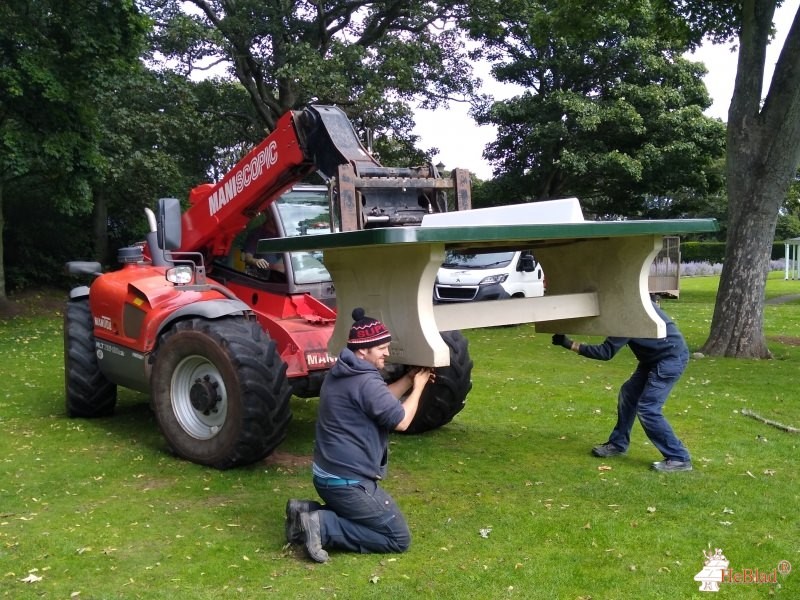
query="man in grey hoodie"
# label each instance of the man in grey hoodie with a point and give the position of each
(357, 411)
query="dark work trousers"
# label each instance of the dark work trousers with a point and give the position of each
(361, 518)
(644, 394)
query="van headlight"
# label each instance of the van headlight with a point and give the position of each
(494, 279)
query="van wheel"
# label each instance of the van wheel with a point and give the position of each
(446, 396)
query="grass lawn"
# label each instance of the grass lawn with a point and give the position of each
(504, 502)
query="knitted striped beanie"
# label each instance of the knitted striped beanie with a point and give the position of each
(367, 332)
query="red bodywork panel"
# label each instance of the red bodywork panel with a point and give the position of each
(219, 211)
(131, 305)
(300, 324)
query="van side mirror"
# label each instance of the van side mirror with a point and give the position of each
(169, 223)
(527, 263)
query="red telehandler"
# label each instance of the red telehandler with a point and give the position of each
(220, 344)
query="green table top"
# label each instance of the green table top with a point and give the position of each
(489, 235)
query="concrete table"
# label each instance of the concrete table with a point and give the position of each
(596, 272)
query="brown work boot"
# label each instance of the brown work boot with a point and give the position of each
(312, 536)
(294, 530)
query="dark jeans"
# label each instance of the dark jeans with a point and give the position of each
(361, 518)
(644, 394)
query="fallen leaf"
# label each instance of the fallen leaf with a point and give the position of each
(31, 578)
(374, 579)
(651, 509)
(604, 468)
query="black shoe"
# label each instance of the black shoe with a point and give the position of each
(670, 466)
(294, 530)
(312, 536)
(606, 450)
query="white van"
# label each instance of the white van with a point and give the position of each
(488, 276)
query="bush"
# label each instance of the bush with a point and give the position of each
(705, 268)
(700, 269)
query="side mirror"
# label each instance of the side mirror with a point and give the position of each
(169, 223)
(527, 263)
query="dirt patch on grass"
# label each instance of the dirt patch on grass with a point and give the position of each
(786, 339)
(286, 460)
(38, 302)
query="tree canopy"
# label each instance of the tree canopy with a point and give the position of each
(611, 112)
(54, 57)
(373, 59)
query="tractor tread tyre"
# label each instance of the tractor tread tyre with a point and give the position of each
(243, 364)
(87, 391)
(446, 396)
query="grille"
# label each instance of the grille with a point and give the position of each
(460, 293)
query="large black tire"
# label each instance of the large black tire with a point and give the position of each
(219, 391)
(88, 393)
(446, 396)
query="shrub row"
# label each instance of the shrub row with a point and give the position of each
(714, 252)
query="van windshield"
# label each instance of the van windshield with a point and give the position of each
(483, 260)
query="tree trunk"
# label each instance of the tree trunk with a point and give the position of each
(3, 296)
(763, 155)
(100, 227)
(737, 325)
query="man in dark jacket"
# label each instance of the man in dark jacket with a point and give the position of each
(357, 411)
(661, 363)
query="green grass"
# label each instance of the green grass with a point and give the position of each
(98, 509)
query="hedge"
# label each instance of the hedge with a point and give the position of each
(714, 252)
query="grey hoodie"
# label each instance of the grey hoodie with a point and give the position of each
(356, 413)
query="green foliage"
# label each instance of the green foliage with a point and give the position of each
(54, 58)
(372, 60)
(611, 112)
(712, 252)
(99, 509)
(36, 248)
(170, 135)
(56, 61)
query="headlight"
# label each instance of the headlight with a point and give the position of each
(492, 279)
(180, 275)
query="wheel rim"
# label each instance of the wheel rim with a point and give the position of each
(198, 396)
